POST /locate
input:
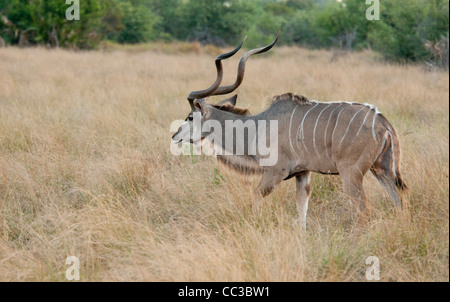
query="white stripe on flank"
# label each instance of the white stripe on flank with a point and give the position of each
(326, 128)
(364, 121)
(314, 133)
(373, 124)
(348, 127)
(393, 156)
(337, 122)
(301, 125)
(290, 126)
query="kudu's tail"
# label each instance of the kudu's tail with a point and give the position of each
(386, 168)
(393, 145)
(401, 185)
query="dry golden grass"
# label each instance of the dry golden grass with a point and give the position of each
(85, 170)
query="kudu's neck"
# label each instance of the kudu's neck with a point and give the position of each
(221, 116)
(242, 143)
(228, 121)
(236, 155)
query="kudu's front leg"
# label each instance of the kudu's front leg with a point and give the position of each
(303, 193)
(270, 180)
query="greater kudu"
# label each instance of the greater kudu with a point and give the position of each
(334, 138)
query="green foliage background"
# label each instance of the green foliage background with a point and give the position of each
(400, 34)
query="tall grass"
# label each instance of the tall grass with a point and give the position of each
(86, 171)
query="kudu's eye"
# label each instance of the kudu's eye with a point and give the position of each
(190, 118)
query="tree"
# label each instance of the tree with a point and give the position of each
(138, 23)
(406, 26)
(218, 22)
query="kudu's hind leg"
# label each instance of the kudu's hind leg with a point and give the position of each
(352, 180)
(303, 193)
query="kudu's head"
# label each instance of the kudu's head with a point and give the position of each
(197, 99)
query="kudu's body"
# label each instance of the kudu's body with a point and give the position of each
(338, 138)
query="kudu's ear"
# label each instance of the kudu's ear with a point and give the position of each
(201, 105)
(198, 104)
(228, 102)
